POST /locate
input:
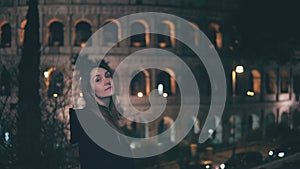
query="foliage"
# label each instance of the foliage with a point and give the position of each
(56, 151)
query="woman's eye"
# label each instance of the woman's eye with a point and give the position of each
(98, 80)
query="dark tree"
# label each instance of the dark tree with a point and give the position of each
(29, 111)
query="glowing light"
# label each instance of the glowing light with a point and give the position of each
(281, 154)
(271, 153)
(160, 89)
(207, 166)
(140, 94)
(250, 93)
(6, 136)
(81, 94)
(132, 145)
(55, 95)
(165, 94)
(82, 44)
(239, 69)
(137, 44)
(222, 166)
(162, 44)
(46, 74)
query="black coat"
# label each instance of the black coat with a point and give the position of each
(93, 156)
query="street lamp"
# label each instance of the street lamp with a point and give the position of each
(238, 69)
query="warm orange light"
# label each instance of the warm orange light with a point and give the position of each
(137, 44)
(162, 44)
(82, 44)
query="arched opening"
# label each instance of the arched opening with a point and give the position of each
(164, 83)
(215, 35)
(164, 41)
(164, 124)
(235, 128)
(284, 81)
(271, 79)
(284, 119)
(5, 82)
(56, 84)
(138, 130)
(138, 40)
(83, 32)
(192, 136)
(255, 83)
(253, 122)
(56, 34)
(270, 119)
(138, 84)
(5, 37)
(110, 33)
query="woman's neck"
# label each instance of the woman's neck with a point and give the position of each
(104, 101)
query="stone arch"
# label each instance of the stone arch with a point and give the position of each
(165, 123)
(284, 81)
(284, 118)
(139, 40)
(271, 80)
(215, 35)
(163, 82)
(140, 82)
(255, 81)
(168, 28)
(193, 34)
(172, 80)
(270, 119)
(253, 122)
(55, 32)
(5, 34)
(235, 128)
(82, 31)
(111, 33)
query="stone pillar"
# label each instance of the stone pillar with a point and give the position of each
(278, 83)
(277, 120)
(263, 85)
(291, 86)
(153, 79)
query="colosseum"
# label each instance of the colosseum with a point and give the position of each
(259, 96)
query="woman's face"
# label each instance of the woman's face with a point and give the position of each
(101, 82)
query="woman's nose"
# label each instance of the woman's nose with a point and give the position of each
(107, 81)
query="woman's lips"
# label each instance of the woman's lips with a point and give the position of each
(108, 88)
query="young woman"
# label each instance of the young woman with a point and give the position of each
(98, 89)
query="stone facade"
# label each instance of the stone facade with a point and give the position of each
(245, 112)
